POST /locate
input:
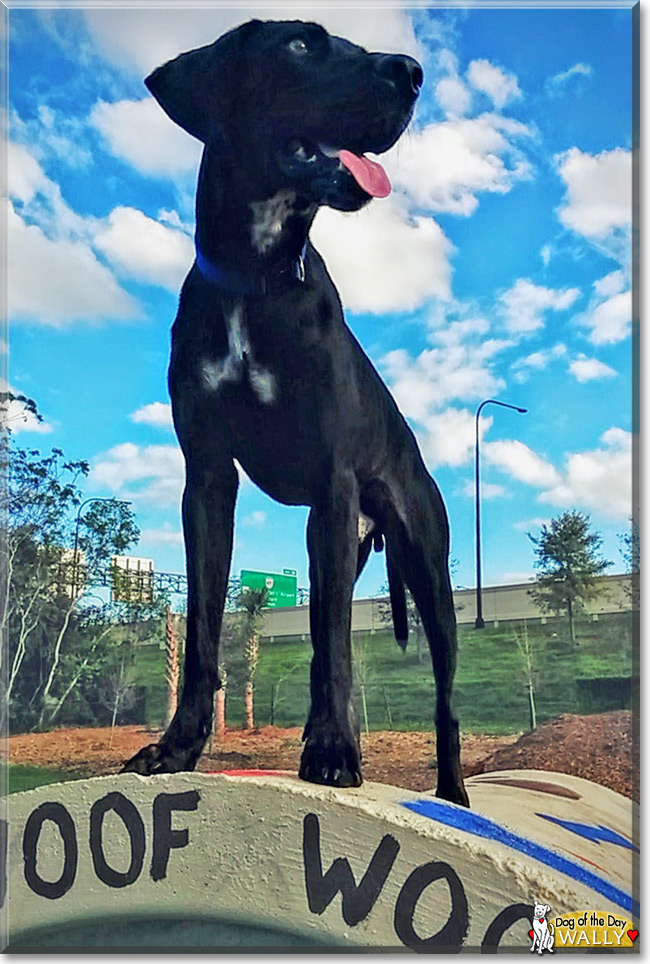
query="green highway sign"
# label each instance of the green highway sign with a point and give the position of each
(282, 587)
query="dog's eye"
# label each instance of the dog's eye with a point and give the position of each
(298, 46)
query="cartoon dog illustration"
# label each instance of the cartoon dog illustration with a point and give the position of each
(543, 932)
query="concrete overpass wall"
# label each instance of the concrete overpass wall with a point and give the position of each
(500, 604)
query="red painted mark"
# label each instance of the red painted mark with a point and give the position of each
(531, 935)
(587, 861)
(249, 773)
(633, 935)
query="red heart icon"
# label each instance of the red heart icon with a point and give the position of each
(530, 934)
(633, 935)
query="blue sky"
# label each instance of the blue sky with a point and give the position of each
(499, 266)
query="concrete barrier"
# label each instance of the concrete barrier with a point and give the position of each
(500, 604)
(262, 859)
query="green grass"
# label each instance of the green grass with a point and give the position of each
(489, 693)
(28, 777)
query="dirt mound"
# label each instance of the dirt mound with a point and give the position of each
(600, 748)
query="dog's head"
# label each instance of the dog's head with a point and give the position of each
(541, 910)
(294, 106)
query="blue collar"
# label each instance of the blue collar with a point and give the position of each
(234, 282)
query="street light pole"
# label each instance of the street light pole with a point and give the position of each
(76, 535)
(480, 622)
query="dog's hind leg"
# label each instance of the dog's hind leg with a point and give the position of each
(208, 510)
(421, 544)
(332, 754)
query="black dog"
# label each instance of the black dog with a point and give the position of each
(264, 370)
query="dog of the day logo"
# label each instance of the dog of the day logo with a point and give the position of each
(581, 929)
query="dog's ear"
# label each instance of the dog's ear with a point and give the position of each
(194, 88)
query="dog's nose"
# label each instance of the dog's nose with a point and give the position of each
(399, 68)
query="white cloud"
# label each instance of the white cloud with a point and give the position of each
(38, 198)
(445, 166)
(140, 133)
(455, 332)
(453, 96)
(558, 81)
(157, 414)
(513, 578)
(609, 321)
(449, 437)
(489, 490)
(153, 473)
(142, 248)
(612, 284)
(598, 202)
(54, 275)
(54, 134)
(25, 176)
(599, 479)
(609, 314)
(525, 304)
(500, 86)
(140, 40)
(255, 520)
(383, 259)
(441, 375)
(537, 360)
(527, 524)
(459, 367)
(452, 93)
(521, 462)
(163, 536)
(588, 369)
(59, 282)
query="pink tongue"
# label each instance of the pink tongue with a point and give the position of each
(368, 174)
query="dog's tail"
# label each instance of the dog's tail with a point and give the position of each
(397, 600)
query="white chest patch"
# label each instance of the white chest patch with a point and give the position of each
(268, 219)
(239, 363)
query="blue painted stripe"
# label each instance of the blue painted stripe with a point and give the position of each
(595, 832)
(463, 819)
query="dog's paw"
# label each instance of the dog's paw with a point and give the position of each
(456, 794)
(331, 759)
(156, 758)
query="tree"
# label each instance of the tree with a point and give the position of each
(276, 699)
(16, 408)
(233, 671)
(39, 608)
(630, 550)
(415, 627)
(172, 665)
(528, 665)
(36, 502)
(118, 690)
(362, 662)
(568, 563)
(107, 529)
(414, 622)
(252, 602)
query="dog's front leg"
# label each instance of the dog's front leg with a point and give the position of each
(208, 511)
(332, 754)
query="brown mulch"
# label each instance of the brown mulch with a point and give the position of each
(598, 748)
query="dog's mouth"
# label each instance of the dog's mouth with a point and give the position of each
(368, 174)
